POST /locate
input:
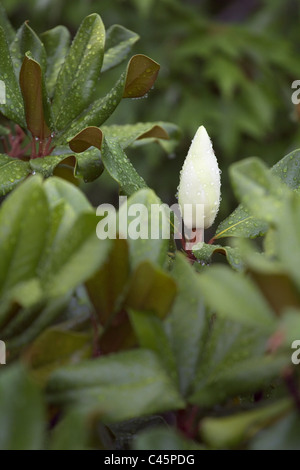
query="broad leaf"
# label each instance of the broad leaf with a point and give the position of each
(123, 386)
(27, 41)
(235, 296)
(13, 108)
(118, 44)
(204, 252)
(80, 71)
(56, 42)
(12, 172)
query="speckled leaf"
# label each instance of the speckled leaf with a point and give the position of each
(129, 133)
(6, 25)
(87, 165)
(100, 110)
(234, 363)
(13, 109)
(118, 44)
(12, 172)
(204, 253)
(186, 325)
(146, 228)
(141, 75)
(26, 40)
(37, 109)
(237, 297)
(241, 223)
(56, 42)
(124, 386)
(22, 424)
(80, 71)
(120, 168)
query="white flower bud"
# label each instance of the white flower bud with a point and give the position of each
(200, 185)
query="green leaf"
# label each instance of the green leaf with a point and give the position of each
(13, 108)
(186, 325)
(27, 41)
(204, 252)
(162, 439)
(100, 110)
(261, 192)
(56, 42)
(288, 246)
(124, 385)
(72, 432)
(281, 435)
(230, 431)
(6, 25)
(235, 296)
(241, 223)
(22, 411)
(55, 348)
(35, 100)
(234, 363)
(151, 335)
(80, 71)
(129, 133)
(150, 289)
(120, 168)
(13, 171)
(118, 44)
(144, 221)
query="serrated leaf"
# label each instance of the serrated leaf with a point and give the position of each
(35, 100)
(123, 386)
(22, 425)
(118, 44)
(13, 108)
(80, 71)
(12, 172)
(204, 252)
(235, 296)
(56, 42)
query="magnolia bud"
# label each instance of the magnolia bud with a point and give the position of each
(200, 186)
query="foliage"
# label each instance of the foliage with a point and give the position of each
(132, 343)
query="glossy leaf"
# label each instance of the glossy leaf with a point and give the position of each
(6, 25)
(141, 75)
(118, 44)
(35, 101)
(204, 253)
(27, 41)
(235, 296)
(13, 108)
(80, 71)
(12, 172)
(56, 42)
(123, 385)
(129, 133)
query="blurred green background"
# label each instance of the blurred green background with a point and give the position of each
(228, 65)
